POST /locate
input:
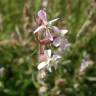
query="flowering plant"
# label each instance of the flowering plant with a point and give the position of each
(46, 34)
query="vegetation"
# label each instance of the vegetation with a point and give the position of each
(75, 74)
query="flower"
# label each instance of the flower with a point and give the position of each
(86, 62)
(64, 45)
(46, 62)
(60, 32)
(44, 25)
(49, 34)
(51, 60)
(60, 41)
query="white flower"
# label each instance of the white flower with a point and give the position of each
(50, 61)
(45, 63)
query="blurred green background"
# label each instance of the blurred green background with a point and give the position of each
(18, 49)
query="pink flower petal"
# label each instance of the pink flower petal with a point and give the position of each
(49, 36)
(39, 21)
(42, 57)
(39, 29)
(56, 29)
(42, 15)
(64, 45)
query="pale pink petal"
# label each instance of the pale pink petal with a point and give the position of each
(42, 15)
(56, 42)
(49, 36)
(41, 65)
(39, 21)
(64, 45)
(42, 57)
(56, 29)
(39, 29)
(64, 31)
